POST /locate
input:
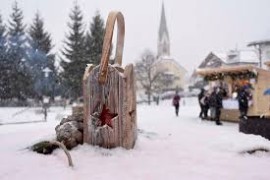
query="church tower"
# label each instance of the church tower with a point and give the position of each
(163, 36)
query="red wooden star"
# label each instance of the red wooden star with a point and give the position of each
(106, 116)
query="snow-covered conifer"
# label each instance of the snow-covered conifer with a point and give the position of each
(94, 39)
(74, 60)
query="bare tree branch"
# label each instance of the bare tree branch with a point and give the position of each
(62, 146)
(151, 79)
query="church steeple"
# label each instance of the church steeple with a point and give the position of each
(163, 36)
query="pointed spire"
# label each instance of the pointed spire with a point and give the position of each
(163, 35)
(163, 23)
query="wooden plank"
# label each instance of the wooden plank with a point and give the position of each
(85, 86)
(131, 121)
(118, 94)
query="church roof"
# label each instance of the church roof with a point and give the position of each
(163, 24)
(169, 59)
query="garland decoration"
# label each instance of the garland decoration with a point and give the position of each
(235, 75)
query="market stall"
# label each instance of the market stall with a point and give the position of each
(267, 63)
(231, 78)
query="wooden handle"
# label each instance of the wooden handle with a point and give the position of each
(107, 42)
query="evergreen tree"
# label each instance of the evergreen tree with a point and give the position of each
(20, 81)
(40, 57)
(94, 39)
(3, 62)
(74, 61)
(3, 41)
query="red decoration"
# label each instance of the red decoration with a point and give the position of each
(106, 117)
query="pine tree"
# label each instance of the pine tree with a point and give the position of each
(94, 39)
(3, 41)
(20, 81)
(3, 62)
(74, 53)
(40, 57)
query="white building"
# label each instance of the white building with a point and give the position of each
(263, 51)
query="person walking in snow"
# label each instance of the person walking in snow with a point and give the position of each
(200, 97)
(176, 103)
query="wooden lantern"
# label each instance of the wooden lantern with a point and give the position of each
(109, 95)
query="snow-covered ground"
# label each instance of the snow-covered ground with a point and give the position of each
(13, 115)
(168, 147)
(20, 114)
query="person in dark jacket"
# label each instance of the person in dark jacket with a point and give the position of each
(243, 97)
(219, 97)
(205, 105)
(176, 104)
(212, 104)
(215, 103)
(200, 97)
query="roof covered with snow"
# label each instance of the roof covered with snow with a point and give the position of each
(260, 42)
(170, 59)
(221, 55)
(236, 56)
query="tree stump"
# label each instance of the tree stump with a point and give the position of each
(109, 96)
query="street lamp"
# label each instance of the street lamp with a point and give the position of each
(46, 100)
(46, 71)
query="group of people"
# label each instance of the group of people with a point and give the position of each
(213, 102)
(207, 101)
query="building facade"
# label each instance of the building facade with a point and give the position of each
(263, 51)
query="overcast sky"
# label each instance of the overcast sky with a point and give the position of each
(196, 27)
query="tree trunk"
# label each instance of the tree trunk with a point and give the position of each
(149, 98)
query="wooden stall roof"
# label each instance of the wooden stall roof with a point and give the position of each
(226, 69)
(267, 63)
